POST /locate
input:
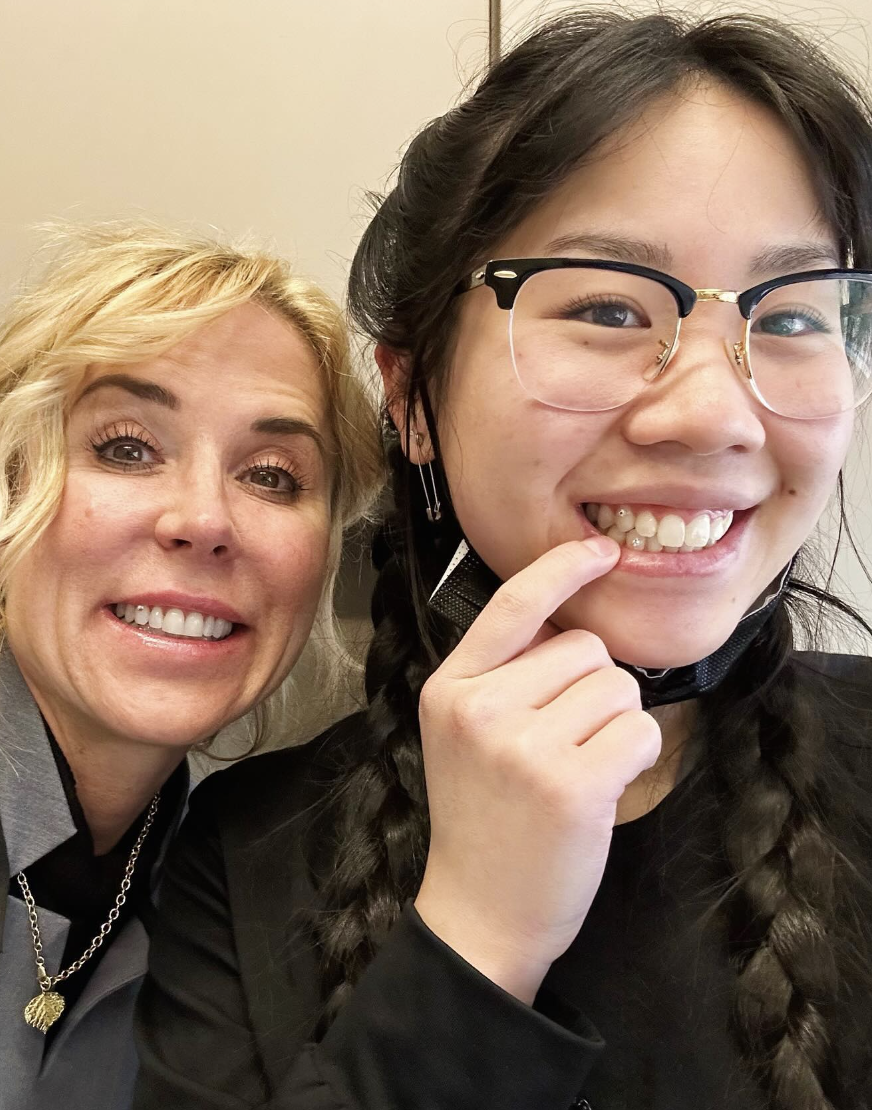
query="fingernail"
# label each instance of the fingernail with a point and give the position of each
(601, 546)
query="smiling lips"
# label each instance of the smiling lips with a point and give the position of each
(174, 622)
(645, 530)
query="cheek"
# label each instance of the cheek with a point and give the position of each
(90, 531)
(809, 456)
(519, 462)
(292, 566)
(95, 522)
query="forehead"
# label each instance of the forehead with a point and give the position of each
(706, 172)
(248, 354)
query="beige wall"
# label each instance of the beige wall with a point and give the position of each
(269, 116)
(264, 115)
(846, 25)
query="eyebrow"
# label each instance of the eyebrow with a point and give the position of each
(288, 426)
(146, 391)
(793, 257)
(616, 247)
(158, 395)
(786, 259)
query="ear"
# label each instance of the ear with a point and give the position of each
(394, 368)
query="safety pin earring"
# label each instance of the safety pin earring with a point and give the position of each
(434, 508)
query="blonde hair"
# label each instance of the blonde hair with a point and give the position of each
(125, 293)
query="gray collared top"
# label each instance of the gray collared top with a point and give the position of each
(91, 1062)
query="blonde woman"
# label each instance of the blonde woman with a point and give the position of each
(182, 445)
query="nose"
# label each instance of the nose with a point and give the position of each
(196, 515)
(700, 400)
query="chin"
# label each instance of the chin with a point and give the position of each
(655, 642)
(169, 726)
(657, 656)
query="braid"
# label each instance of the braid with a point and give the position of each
(765, 751)
(378, 810)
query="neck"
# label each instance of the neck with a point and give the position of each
(651, 787)
(116, 777)
(115, 781)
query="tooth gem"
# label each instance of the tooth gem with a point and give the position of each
(636, 542)
(670, 534)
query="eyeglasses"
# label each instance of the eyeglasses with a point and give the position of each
(588, 335)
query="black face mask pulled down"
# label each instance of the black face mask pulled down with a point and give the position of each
(468, 585)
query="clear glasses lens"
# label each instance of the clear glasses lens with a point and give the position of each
(810, 347)
(590, 340)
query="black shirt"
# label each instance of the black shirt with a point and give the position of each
(635, 1016)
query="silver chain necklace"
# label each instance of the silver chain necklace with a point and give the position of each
(44, 1010)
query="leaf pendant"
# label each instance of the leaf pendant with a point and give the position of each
(44, 1010)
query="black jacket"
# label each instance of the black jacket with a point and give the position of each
(635, 1016)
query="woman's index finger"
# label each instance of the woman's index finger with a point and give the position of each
(517, 612)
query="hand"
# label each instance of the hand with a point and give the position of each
(530, 736)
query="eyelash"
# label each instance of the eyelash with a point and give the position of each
(297, 480)
(123, 433)
(129, 434)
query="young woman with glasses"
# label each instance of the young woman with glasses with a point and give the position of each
(602, 836)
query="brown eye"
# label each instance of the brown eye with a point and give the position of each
(272, 479)
(269, 479)
(126, 451)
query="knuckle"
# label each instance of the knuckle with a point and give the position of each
(474, 708)
(624, 688)
(588, 646)
(509, 603)
(645, 732)
(433, 698)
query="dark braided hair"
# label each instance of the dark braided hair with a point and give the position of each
(381, 821)
(466, 179)
(765, 731)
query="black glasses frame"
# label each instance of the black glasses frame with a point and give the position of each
(506, 276)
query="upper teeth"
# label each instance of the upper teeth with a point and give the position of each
(643, 531)
(175, 622)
